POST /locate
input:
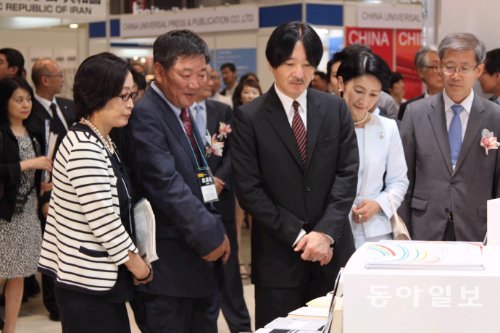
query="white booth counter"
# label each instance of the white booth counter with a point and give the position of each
(429, 287)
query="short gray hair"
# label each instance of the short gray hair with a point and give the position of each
(420, 59)
(463, 42)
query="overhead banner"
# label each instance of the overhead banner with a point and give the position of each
(381, 41)
(213, 19)
(90, 9)
(388, 16)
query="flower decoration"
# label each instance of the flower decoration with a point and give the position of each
(214, 146)
(215, 143)
(489, 141)
(224, 130)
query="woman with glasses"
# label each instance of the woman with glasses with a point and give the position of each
(382, 165)
(20, 174)
(88, 245)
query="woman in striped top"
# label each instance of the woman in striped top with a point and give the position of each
(88, 245)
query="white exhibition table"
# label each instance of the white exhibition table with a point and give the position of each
(422, 300)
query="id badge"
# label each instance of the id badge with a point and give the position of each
(207, 185)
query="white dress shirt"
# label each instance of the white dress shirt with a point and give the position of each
(287, 105)
(46, 105)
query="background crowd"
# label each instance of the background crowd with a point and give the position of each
(312, 165)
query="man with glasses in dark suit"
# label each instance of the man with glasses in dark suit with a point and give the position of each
(428, 65)
(453, 166)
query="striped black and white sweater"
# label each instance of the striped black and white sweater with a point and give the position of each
(84, 240)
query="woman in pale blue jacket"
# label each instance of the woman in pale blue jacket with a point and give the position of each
(382, 166)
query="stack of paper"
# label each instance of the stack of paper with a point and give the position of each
(306, 311)
(295, 325)
(321, 302)
(145, 230)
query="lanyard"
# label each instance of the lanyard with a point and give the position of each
(205, 164)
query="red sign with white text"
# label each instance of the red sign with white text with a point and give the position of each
(408, 42)
(381, 41)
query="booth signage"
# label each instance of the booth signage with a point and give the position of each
(198, 20)
(381, 41)
(54, 8)
(402, 17)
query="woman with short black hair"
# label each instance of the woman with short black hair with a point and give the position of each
(20, 166)
(88, 245)
(382, 165)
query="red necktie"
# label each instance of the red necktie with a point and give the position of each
(188, 128)
(299, 131)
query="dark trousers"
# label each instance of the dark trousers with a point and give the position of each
(49, 298)
(271, 303)
(233, 303)
(83, 313)
(165, 314)
(48, 293)
(449, 232)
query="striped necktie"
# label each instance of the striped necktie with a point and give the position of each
(188, 128)
(299, 131)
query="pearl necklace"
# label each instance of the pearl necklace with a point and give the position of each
(108, 144)
(356, 123)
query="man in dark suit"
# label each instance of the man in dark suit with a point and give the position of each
(209, 116)
(166, 159)
(452, 172)
(295, 163)
(490, 79)
(58, 114)
(428, 64)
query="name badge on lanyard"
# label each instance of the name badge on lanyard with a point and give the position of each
(204, 176)
(207, 184)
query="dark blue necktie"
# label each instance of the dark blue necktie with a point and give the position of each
(455, 133)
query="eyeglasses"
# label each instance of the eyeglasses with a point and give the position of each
(126, 97)
(452, 69)
(434, 68)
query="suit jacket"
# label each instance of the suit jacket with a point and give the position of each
(435, 188)
(282, 195)
(36, 121)
(10, 170)
(221, 166)
(384, 171)
(387, 105)
(163, 169)
(36, 125)
(402, 108)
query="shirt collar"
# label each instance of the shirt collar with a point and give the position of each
(45, 102)
(174, 108)
(466, 103)
(202, 103)
(287, 101)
